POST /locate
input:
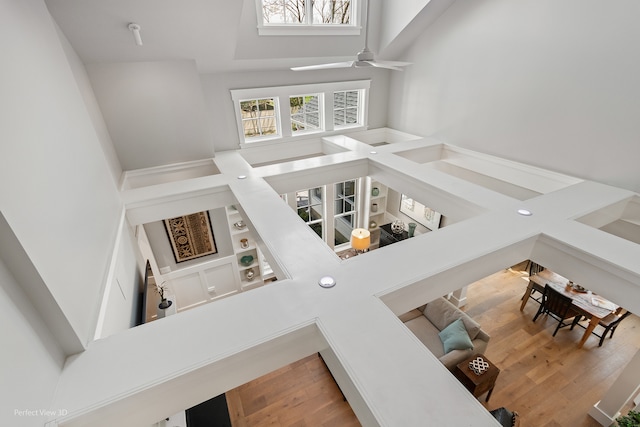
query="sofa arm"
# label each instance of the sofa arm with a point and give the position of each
(410, 315)
(483, 336)
(451, 359)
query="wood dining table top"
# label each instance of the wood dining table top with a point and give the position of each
(590, 303)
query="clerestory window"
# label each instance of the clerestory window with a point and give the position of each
(307, 17)
(259, 118)
(264, 115)
(346, 109)
(305, 113)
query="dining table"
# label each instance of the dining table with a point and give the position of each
(592, 306)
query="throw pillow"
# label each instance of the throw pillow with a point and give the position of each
(455, 337)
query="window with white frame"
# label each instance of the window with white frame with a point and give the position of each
(330, 210)
(259, 118)
(345, 211)
(305, 113)
(299, 17)
(310, 208)
(346, 108)
(263, 115)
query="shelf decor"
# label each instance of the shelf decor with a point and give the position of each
(191, 236)
(164, 302)
(420, 213)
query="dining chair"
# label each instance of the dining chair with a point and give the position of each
(557, 306)
(534, 269)
(505, 417)
(609, 323)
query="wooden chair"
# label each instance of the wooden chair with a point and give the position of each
(533, 270)
(557, 306)
(609, 323)
(506, 417)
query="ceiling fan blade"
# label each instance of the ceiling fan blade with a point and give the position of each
(393, 63)
(346, 64)
(385, 65)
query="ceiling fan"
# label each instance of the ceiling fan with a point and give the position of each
(364, 58)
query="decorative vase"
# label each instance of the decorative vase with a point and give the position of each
(397, 227)
(375, 191)
(373, 224)
(412, 228)
(165, 303)
(249, 274)
(374, 207)
(244, 243)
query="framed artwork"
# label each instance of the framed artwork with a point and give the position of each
(420, 213)
(191, 236)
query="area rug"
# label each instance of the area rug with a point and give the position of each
(212, 413)
(191, 236)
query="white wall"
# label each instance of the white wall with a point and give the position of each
(31, 359)
(58, 195)
(547, 83)
(220, 108)
(154, 111)
(123, 299)
(82, 79)
(161, 247)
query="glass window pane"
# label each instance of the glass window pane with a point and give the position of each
(313, 120)
(251, 128)
(331, 11)
(317, 227)
(352, 98)
(283, 11)
(346, 110)
(317, 194)
(302, 198)
(342, 229)
(305, 113)
(266, 106)
(268, 126)
(348, 205)
(247, 106)
(303, 213)
(338, 207)
(349, 188)
(316, 214)
(340, 189)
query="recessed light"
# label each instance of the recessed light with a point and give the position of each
(373, 152)
(524, 212)
(327, 282)
(242, 176)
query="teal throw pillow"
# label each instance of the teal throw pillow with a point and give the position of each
(455, 337)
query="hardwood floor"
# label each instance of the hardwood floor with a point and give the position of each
(548, 380)
(302, 394)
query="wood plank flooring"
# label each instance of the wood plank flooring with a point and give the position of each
(548, 380)
(302, 394)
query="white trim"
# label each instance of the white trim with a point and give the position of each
(111, 273)
(309, 30)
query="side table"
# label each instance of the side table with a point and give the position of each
(477, 384)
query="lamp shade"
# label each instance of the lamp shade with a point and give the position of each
(360, 239)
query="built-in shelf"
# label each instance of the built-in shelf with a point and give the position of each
(377, 208)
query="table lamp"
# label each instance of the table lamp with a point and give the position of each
(360, 239)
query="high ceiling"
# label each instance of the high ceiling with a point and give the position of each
(220, 35)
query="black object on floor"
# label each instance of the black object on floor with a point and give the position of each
(212, 413)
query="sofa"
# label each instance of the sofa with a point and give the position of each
(427, 323)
